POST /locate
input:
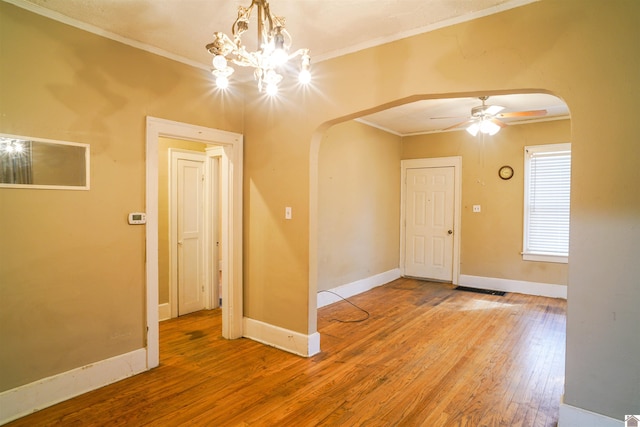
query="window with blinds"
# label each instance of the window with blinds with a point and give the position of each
(547, 190)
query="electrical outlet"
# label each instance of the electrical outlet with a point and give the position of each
(476, 208)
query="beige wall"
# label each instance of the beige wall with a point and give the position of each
(359, 204)
(491, 241)
(72, 278)
(85, 299)
(164, 144)
(583, 51)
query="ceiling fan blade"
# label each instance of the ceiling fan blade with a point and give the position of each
(522, 114)
(499, 123)
(461, 124)
(492, 110)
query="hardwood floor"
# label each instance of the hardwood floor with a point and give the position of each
(427, 355)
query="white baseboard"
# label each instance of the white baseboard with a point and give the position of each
(571, 416)
(32, 397)
(357, 287)
(284, 339)
(517, 286)
(164, 311)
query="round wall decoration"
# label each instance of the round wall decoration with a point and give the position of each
(505, 172)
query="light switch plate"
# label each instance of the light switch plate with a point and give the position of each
(287, 212)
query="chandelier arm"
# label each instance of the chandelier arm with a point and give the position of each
(299, 52)
(244, 14)
(267, 13)
(244, 59)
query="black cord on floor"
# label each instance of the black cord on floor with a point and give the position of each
(359, 308)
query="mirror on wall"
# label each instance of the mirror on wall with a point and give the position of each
(41, 163)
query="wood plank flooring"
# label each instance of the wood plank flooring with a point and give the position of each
(427, 355)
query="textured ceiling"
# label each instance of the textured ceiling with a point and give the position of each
(436, 115)
(180, 29)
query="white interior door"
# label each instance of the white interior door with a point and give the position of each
(429, 223)
(191, 237)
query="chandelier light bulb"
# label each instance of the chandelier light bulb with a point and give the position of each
(222, 82)
(272, 89)
(304, 77)
(219, 62)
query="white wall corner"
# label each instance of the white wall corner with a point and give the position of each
(284, 339)
(164, 311)
(571, 416)
(517, 286)
(357, 287)
(32, 397)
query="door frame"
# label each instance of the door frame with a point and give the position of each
(213, 198)
(231, 219)
(436, 162)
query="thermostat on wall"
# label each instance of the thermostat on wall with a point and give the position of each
(137, 218)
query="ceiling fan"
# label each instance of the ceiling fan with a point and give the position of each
(486, 118)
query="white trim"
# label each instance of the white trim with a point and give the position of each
(283, 339)
(456, 163)
(231, 174)
(517, 286)
(212, 225)
(23, 400)
(357, 287)
(571, 416)
(559, 259)
(164, 311)
(377, 126)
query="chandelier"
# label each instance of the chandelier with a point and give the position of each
(274, 42)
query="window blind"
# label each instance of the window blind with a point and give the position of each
(547, 200)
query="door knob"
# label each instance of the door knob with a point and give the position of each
(450, 232)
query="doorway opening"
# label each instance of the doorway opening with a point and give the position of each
(492, 232)
(229, 148)
(189, 268)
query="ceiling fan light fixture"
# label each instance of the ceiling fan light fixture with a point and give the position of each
(473, 128)
(488, 127)
(484, 126)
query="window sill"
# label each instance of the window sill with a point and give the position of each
(545, 258)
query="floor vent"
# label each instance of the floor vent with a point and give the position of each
(480, 291)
